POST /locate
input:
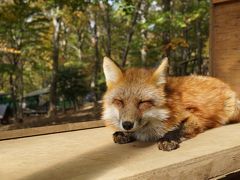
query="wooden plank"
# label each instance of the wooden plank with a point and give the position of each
(91, 154)
(50, 129)
(205, 167)
(232, 175)
(220, 1)
(211, 41)
(225, 43)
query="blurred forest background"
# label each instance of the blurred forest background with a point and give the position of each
(53, 49)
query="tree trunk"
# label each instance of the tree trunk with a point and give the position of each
(108, 28)
(64, 105)
(186, 53)
(144, 33)
(53, 89)
(166, 33)
(13, 95)
(65, 42)
(21, 89)
(199, 44)
(17, 87)
(80, 36)
(95, 42)
(107, 25)
(130, 33)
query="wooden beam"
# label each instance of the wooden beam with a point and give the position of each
(92, 154)
(225, 43)
(211, 40)
(220, 1)
(204, 167)
(50, 129)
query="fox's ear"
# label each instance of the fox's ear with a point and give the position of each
(111, 71)
(160, 74)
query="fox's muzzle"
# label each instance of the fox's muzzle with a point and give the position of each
(127, 125)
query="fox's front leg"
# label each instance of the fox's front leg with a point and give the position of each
(168, 144)
(123, 137)
(188, 128)
(171, 140)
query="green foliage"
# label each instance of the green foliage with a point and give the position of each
(27, 26)
(72, 83)
(7, 68)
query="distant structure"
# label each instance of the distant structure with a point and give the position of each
(225, 41)
(5, 111)
(37, 102)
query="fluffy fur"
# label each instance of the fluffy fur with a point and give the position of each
(159, 105)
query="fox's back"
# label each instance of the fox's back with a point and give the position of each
(206, 97)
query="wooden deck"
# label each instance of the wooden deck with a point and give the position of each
(91, 154)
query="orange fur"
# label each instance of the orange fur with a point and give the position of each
(158, 104)
(205, 102)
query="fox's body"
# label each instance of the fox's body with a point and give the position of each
(165, 109)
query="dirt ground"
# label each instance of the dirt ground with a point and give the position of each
(86, 113)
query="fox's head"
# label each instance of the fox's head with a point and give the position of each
(134, 97)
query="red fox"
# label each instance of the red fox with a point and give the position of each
(147, 105)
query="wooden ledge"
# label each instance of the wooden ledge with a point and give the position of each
(10, 134)
(91, 154)
(221, 1)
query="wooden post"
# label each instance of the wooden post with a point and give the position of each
(225, 42)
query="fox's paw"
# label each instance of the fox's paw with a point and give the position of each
(166, 145)
(122, 138)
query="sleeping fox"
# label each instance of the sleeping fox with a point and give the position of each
(147, 105)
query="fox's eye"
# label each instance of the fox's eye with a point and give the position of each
(144, 105)
(118, 102)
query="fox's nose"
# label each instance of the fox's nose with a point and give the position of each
(127, 125)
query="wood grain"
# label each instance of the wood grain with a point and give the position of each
(221, 1)
(50, 129)
(225, 43)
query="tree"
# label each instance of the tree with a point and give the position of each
(130, 32)
(72, 84)
(18, 19)
(56, 20)
(38, 37)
